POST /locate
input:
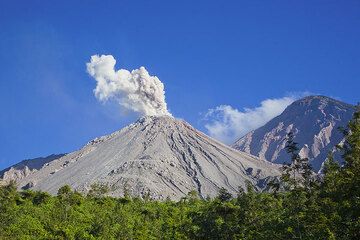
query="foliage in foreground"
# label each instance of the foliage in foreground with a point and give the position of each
(309, 208)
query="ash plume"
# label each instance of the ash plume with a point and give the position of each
(136, 90)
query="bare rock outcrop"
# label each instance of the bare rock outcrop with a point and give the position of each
(25, 168)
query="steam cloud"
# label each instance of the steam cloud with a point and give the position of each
(136, 90)
(227, 124)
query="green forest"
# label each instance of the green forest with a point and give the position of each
(299, 205)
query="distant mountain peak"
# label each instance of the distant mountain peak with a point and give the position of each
(314, 120)
(320, 101)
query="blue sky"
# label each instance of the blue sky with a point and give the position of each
(207, 53)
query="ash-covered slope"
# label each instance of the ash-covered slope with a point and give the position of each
(162, 156)
(314, 120)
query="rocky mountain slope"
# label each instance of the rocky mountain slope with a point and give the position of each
(26, 167)
(160, 156)
(314, 120)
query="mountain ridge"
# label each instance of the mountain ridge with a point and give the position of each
(25, 167)
(314, 120)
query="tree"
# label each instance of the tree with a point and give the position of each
(224, 195)
(8, 199)
(64, 192)
(41, 198)
(297, 173)
(341, 185)
(351, 146)
(98, 190)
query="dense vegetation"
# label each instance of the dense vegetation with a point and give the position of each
(300, 206)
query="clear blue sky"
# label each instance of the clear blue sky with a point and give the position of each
(206, 53)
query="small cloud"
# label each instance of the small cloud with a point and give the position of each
(227, 124)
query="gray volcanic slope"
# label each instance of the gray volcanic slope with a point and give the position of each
(162, 156)
(314, 121)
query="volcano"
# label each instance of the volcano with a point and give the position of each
(158, 156)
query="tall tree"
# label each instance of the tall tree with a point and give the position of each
(297, 173)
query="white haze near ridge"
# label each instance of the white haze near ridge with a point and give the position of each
(136, 90)
(227, 124)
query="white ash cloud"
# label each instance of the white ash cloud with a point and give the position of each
(227, 124)
(136, 90)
